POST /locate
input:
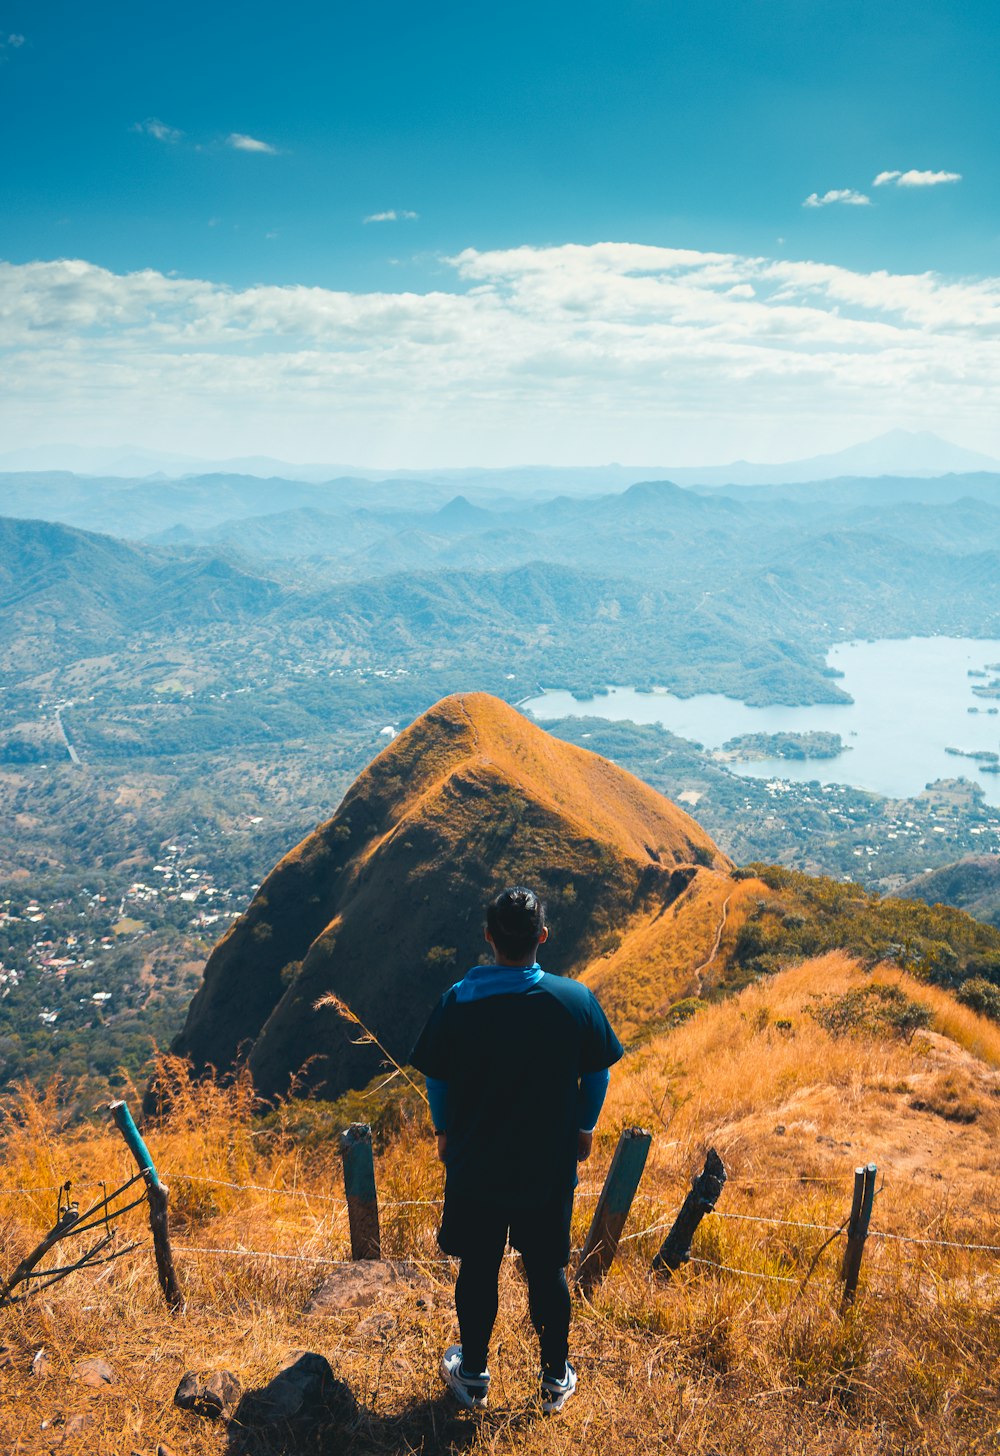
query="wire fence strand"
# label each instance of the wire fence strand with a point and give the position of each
(934, 1243)
(823, 1228)
(304, 1192)
(748, 1273)
(53, 1187)
(299, 1258)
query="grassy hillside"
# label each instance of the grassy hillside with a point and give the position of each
(741, 1363)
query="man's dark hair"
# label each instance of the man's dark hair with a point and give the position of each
(515, 920)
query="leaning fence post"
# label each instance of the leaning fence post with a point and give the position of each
(857, 1230)
(156, 1195)
(613, 1207)
(359, 1186)
(705, 1191)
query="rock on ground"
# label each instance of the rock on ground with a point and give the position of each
(363, 1282)
(304, 1394)
(213, 1394)
(95, 1372)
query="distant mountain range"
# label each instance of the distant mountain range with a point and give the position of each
(368, 528)
(897, 452)
(739, 590)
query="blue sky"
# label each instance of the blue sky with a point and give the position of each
(244, 146)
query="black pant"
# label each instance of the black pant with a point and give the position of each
(476, 1305)
(477, 1233)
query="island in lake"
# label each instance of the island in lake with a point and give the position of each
(981, 755)
(749, 746)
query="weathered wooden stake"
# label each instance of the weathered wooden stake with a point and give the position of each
(359, 1185)
(857, 1230)
(156, 1196)
(705, 1191)
(613, 1207)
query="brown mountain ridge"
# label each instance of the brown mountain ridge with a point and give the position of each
(383, 903)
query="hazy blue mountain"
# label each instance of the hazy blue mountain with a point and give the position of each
(146, 508)
(849, 491)
(65, 592)
(897, 452)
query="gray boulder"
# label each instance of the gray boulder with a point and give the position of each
(304, 1394)
(213, 1395)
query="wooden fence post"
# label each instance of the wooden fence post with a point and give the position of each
(857, 1231)
(705, 1191)
(156, 1196)
(613, 1207)
(359, 1186)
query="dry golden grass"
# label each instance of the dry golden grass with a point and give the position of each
(710, 1362)
(665, 955)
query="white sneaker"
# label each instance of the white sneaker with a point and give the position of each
(469, 1390)
(555, 1393)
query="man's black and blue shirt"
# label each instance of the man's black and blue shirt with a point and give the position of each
(516, 1061)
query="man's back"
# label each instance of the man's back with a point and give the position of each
(512, 1062)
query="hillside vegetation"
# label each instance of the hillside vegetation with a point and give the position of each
(738, 1360)
(971, 884)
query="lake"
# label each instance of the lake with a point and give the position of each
(911, 702)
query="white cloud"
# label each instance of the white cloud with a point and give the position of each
(915, 179)
(845, 195)
(243, 143)
(15, 42)
(153, 127)
(393, 215)
(604, 351)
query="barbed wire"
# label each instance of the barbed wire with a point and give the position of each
(305, 1193)
(748, 1273)
(258, 1188)
(933, 1243)
(54, 1187)
(653, 1229)
(823, 1228)
(298, 1258)
(752, 1180)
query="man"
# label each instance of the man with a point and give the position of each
(516, 1062)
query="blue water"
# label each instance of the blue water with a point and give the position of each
(911, 701)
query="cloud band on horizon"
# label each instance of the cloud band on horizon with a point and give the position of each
(571, 346)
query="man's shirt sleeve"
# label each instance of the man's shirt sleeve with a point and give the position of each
(437, 1101)
(601, 1048)
(590, 1098)
(432, 1053)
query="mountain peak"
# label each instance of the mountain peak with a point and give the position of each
(461, 514)
(383, 903)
